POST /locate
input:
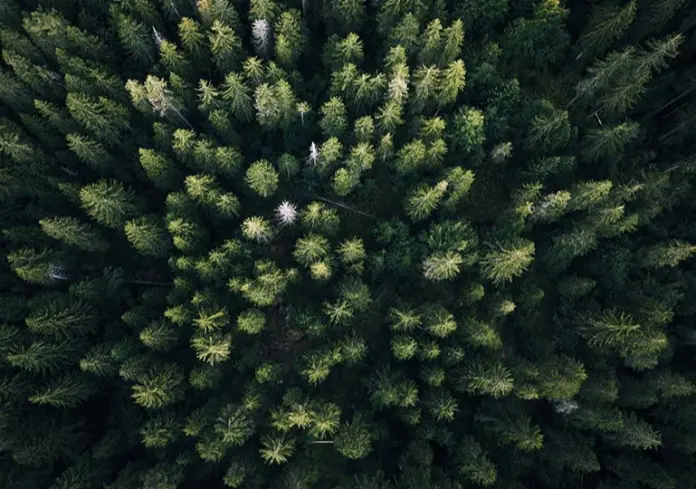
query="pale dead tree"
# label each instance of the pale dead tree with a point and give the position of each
(565, 407)
(313, 158)
(501, 152)
(286, 213)
(345, 206)
(172, 5)
(56, 271)
(55, 76)
(261, 36)
(158, 37)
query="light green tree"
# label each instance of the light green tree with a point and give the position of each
(148, 236)
(423, 201)
(262, 178)
(109, 203)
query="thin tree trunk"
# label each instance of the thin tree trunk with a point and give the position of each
(339, 204)
(675, 99)
(148, 282)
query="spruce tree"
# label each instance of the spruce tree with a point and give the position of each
(108, 203)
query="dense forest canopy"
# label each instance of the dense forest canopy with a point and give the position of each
(347, 244)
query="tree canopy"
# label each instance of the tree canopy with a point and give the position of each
(347, 244)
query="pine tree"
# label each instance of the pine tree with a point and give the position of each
(474, 464)
(277, 450)
(539, 40)
(174, 60)
(212, 349)
(667, 254)
(65, 392)
(442, 266)
(72, 232)
(148, 236)
(486, 377)
(262, 178)
(159, 387)
(257, 229)
(658, 14)
(617, 330)
(108, 203)
(192, 39)
(155, 96)
(275, 104)
(225, 46)
(607, 23)
(44, 356)
(251, 321)
(438, 321)
(187, 236)
(161, 171)
(289, 37)
(469, 132)
(238, 97)
(325, 421)
(90, 151)
(424, 200)
(453, 81)
(203, 189)
(442, 406)
(61, 318)
(431, 41)
(550, 129)
(333, 122)
(103, 118)
(353, 439)
(636, 434)
(134, 37)
(311, 248)
(609, 142)
(348, 15)
(160, 430)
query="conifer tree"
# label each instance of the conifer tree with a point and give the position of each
(225, 46)
(333, 122)
(667, 254)
(101, 117)
(538, 40)
(608, 143)
(353, 439)
(289, 37)
(148, 236)
(108, 203)
(607, 23)
(134, 37)
(262, 178)
(423, 201)
(161, 171)
(72, 232)
(238, 96)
